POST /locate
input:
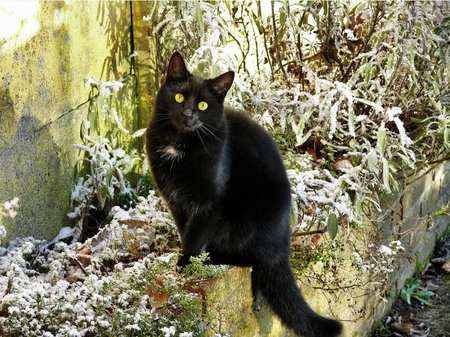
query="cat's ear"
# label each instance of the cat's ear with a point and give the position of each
(221, 84)
(177, 69)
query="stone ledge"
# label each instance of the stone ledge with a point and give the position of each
(230, 300)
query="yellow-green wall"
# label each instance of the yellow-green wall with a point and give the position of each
(47, 51)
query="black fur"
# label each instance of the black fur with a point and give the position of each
(225, 183)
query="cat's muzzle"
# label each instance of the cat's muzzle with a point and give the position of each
(188, 113)
(190, 120)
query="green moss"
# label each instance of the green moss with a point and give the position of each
(421, 266)
(446, 232)
(303, 256)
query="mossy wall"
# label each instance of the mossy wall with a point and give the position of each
(47, 51)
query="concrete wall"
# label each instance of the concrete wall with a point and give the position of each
(47, 51)
(410, 216)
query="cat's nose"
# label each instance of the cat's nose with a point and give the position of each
(188, 113)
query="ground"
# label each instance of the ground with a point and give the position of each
(417, 319)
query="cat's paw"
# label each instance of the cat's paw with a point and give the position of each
(183, 261)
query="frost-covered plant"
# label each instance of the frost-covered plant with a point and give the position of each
(186, 27)
(2, 233)
(48, 292)
(122, 302)
(8, 210)
(106, 165)
(106, 180)
(108, 100)
(197, 269)
(382, 259)
(152, 210)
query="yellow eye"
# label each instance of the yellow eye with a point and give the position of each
(179, 98)
(202, 106)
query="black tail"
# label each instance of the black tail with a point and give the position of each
(277, 284)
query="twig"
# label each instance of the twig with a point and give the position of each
(327, 38)
(265, 42)
(317, 231)
(277, 45)
(74, 259)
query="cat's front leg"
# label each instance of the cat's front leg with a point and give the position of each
(195, 236)
(192, 245)
(183, 260)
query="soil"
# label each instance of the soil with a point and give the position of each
(417, 319)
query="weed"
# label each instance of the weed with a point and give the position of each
(412, 290)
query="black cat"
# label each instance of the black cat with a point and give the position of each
(224, 181)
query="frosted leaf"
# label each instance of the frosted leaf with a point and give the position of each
(169, 332)
(385, 250)
(139, 133)
(105, 91)
(132, 327)
(118, 121)
(91, 82)
(333, 119)
(133, 54)
(166, 258)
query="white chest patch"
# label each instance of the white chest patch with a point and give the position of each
(171, 153)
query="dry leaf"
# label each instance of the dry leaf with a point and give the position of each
(316, 239)
(446, 267)
(403, 327)
(343, 165)
(157, 293)
(439, 260)
(312, 153)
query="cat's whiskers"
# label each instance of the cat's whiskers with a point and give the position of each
(208, 132)
(162, 126)
(201, 140)
(212, 127)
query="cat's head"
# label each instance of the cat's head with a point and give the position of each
(192, 102)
